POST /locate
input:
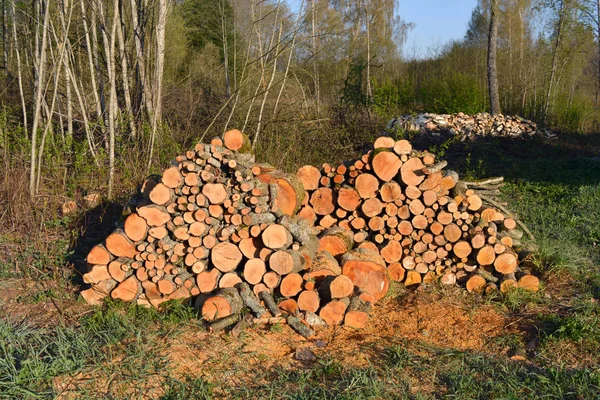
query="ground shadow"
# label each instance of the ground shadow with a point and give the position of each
(572, 160)
(93, 226)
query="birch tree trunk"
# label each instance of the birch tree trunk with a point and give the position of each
(224, 32)
(109, 50)
(125, 74)
(38, 84)
(492, 71)
(598, 44)
(19, 68)
(92, 60)
(557, 42)
(141, 61)
(158, 73)
(314, 50)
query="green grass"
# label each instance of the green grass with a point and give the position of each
(30, 357)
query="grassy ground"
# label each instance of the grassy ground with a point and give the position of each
(518, 346)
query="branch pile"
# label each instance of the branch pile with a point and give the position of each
(320, 246)
(466, 127)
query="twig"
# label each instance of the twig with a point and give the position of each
(506, 211)
(486, 181)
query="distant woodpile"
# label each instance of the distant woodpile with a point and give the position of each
(320, 247)
(467, 127)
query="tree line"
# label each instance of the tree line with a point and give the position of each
(91, 84)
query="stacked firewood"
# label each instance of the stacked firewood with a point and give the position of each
(424, 223)
(319, 247)
(466, 126)
(220, 227)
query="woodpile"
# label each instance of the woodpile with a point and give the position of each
(422, 222)
(467, 127)
(316, 248)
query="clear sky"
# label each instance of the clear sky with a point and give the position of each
(437, 22)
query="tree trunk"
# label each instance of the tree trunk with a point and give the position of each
(40, 62)
(314, 51)
(109, 51)
(598, 43)
(492, 47)
(19, 69)
(158, 73)
(125, 75)
(224, 32)
(557, 42)
(91, 59)
(141, 60)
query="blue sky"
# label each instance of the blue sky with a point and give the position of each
(436, 23)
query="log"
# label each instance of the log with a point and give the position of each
(298, 326)
(333, 312)
(225, 256)
(224, 323)
(128, 290)
(506, 263)
(226, 302)
(410, 172)
(367, 272)
(476, 283)
(529, 282)
(215, 192)
(135, 227)
(366, 185)
(99, 255)
(322, 201)
(309, 176)
(207, 281)
(235, 140)
(309, 300)
(154, 215)
(336, 241)
(386, 165)
(396, 272)
(291, 285)
(348, 198)
(285, 262)
(276, 237)
(254, 270)
(250, 300)
(270, 303)
(337, 287)
(118, 244)
(172, 178)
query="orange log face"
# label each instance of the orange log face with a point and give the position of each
(506, 263)
(308, 300)
(126, 290)
(366, 185)
(322, 201)
(119, 245)
(386, 165)
(135, 227)
(348, 199)
(172, 178)
(333, 312)
(309, 177)
(226, 256)
(98, 255)
(368, 276)
(234, 139)
(409, 172)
